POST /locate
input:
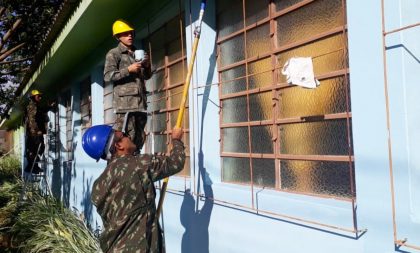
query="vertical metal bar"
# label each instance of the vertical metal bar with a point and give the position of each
(247, 103)
(152, 123)
(349, 139)
(197, 33)
(388, 123)
(274, 78)
(183, 73)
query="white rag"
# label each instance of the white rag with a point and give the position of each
(300, 71)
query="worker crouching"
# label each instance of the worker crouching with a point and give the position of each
(124, 194)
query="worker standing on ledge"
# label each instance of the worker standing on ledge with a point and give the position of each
(128, 74)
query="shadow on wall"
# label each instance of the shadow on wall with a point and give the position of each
(406, 49)
(196, 222)
(67, 169)
(56, 180)
(86, 203)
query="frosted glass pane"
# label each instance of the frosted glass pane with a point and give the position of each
(108, 101)
(232, 50)
(177, 73)
(109, 116)
(236, 170)
(261, 106)
(314, 138)
(186, 140)
(234, 110)
(108, 87)
(260, 79)
(157, 101)
(261, 139)
(175, 50)
(174, 116)
(157, 57)
(255, 10)
(264, 172)
(172, 30)
(160, 143)
(148, 127)
(86, 122)
(314, 18)
(329, 97)
(85, 110)
(159, 122)
(325, 53)
(258, 40)
(235, 140)
(156, 82)
(176, 97)
(330, 178)
(229, 17)
(231, 86)
(185, 172)
(157, 39)
(283, 4)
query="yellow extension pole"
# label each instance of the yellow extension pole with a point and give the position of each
(184, 99)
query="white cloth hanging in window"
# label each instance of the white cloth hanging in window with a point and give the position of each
(300, 71)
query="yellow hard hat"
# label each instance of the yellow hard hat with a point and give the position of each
(35, 92)
(121, 26)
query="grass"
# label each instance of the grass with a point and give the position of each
(9, 169)
(40, 223)
(45, 225)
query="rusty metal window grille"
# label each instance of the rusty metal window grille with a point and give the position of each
(166, 47)
(273, 134)
(85, 104)
(67, 101)
(402, 232)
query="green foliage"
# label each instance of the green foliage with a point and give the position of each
(36, 19)
(40, 223)
(9, 210)
(45, 225)
(9, 169)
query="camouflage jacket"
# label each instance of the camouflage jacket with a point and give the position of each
(129, 88)
(36, 118)
(124, 195)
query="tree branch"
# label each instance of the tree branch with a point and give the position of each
(14, 72)
(15, 61)
(10, 32)
(9, 52)
(2, 10)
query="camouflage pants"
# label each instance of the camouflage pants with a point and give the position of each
(136, 122)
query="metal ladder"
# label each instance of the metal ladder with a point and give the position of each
(37, 182)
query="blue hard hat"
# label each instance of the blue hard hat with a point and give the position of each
(95, 139)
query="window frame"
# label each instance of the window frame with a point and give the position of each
(275, 88)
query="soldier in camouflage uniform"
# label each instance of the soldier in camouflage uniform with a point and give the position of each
(36, 120)
(124, 194)
(128, 77)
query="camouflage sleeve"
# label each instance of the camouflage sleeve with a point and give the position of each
(165, 166)
(32, 125)
(111, 71)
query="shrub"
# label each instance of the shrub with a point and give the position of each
(45, 225)
(10, 168)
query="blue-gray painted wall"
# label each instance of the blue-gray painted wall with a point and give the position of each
(194, 224)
